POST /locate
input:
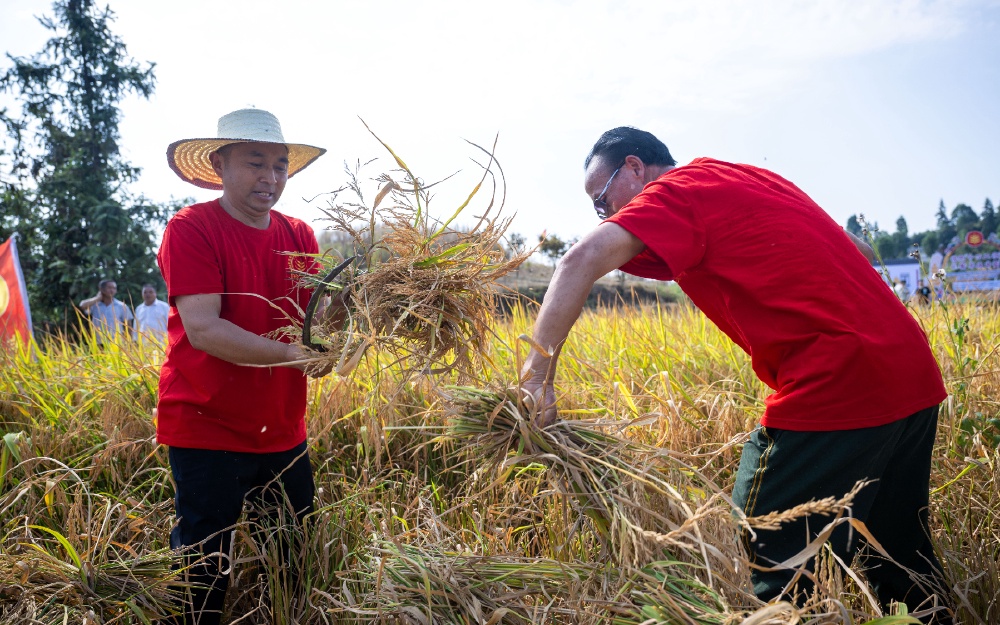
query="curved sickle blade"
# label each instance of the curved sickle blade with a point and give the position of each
(318, 293)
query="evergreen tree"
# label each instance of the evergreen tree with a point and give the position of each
(67, 191)
(946, 227)
(901, 228)
(965, 219)
(854, 226)
(988, 218)
(15, 200)
(901, 238)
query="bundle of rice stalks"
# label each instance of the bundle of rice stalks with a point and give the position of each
(667, 592)
(417, 288)
(429, 586)
(68, 551)
(670, 529)
(40, 580)
(644, 504)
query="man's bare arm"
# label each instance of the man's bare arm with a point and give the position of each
(607, 248)
(862, 246)
(223, 339)
(90, 301)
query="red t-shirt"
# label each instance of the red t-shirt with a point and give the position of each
(208, 403)
(769, 267)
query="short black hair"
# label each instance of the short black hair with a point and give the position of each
(148, 286)
(618, 143)
(103, 283)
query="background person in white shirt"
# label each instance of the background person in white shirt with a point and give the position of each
(151, 316)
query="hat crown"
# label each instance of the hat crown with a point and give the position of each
(250, 125)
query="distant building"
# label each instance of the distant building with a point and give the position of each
(904, 270)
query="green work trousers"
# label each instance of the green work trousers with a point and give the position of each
(780, 469)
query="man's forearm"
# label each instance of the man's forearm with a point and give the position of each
(862, 245)
(87, 303)
(606, 248)
(227, 341)
(561, 307)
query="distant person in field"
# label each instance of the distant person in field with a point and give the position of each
(899, 287)
(923, 293)
(151, 316)
(109, 316)
(236, 433)
(856, 387)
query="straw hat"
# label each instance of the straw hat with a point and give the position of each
(189, 157)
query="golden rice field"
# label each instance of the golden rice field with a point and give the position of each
(439, 504)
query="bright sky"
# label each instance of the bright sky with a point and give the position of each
(875, 106)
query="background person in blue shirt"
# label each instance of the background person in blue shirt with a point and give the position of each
(109, 316)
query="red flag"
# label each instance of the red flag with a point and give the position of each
(15, 316)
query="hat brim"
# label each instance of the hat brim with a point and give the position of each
(189, 159)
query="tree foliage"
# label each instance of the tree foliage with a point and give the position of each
(946, 227)
(951, 227)
(853, 225)
(931, 242)
(516, 243)
(553, 247)
(965, 219)
(65, 184)
(901, 228)
(988, 218)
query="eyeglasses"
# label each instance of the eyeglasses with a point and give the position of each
(600, 204)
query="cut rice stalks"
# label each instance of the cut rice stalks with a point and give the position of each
(119, 588)
(428, 585)
(419, 289)
(669, 529)
(644, 504)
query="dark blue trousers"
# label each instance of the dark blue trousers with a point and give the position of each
(212, 488)
(780, 469)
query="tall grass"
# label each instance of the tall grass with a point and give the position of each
(415, 524)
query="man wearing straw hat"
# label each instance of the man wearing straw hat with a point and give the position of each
(856, 387)
(232, 400)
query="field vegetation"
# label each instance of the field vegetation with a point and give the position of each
(444, 504)
(436, 502)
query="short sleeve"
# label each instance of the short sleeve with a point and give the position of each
(665, 218)
(646, 264)
(188, 261)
